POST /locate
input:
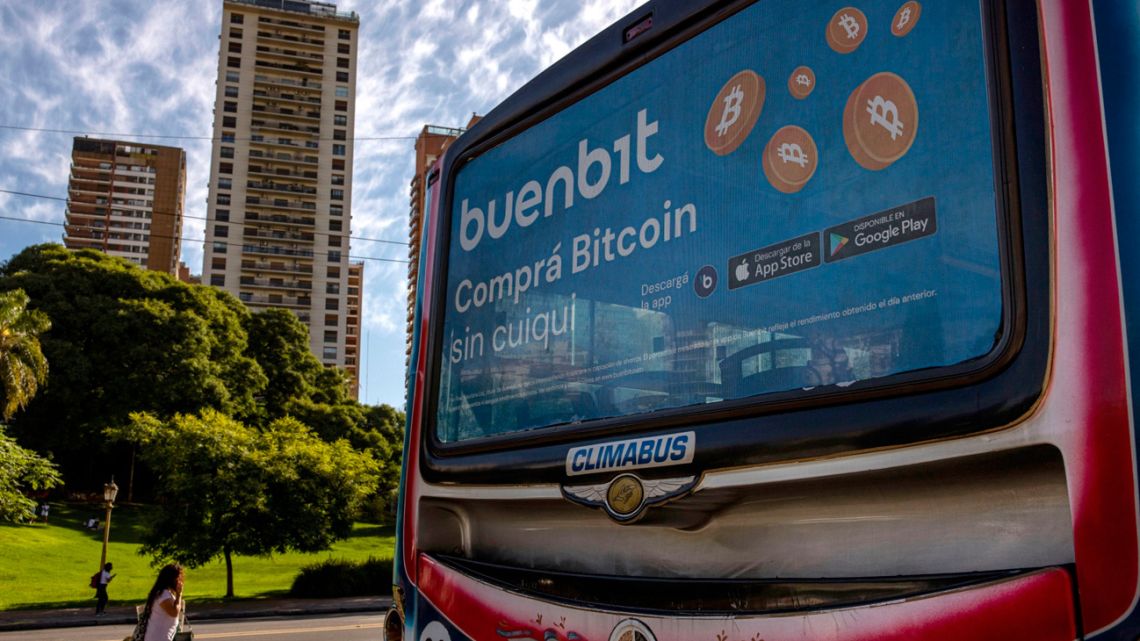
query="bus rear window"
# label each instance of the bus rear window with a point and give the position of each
(797, 198)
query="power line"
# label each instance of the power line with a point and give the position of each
(96, 134)
(191, 240)
(168, 213)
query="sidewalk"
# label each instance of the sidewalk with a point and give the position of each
(13, 620)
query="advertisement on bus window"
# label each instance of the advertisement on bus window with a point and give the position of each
(801, 197)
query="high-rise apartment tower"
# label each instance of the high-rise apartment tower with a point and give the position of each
(430, 145)
(126, 199)
(279, 210)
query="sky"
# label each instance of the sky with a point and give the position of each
(127, 68)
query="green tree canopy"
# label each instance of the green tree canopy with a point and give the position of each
(279, 342)
(301, 387)
(21, 470)
(229, 489)
(23, 367)
(125, 339)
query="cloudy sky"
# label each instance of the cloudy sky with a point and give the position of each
(125, 68)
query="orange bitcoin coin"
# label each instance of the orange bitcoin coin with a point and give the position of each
(880, 121)
(846, 30)
(905, 18)
(734, 112)
(790, 159)
(801, 82)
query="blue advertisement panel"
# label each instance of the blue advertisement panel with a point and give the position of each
(800, 196)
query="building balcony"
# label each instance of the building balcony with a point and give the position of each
(275, 301)
(278, 267)
(272, 108)
(287, 127)
(290, 54)
(277, 235)
(279, 203)
(78, 241)
(282, 173)
(290, 40)
(276, 251)
(280, 157)
(86, 190)
(92, 178)
(274, 81)
(85, 210)
(276, 283)
(279, 219)
(298, 96)
(280, 187)
(261, 140)
(303, 69)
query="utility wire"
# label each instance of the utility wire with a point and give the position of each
(168, 213)
(190, 240)
(95, 134)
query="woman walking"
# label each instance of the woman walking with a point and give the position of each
(159, 619)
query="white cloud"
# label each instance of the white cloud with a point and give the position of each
(148, 67)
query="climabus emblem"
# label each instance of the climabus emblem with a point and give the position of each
(626, 497)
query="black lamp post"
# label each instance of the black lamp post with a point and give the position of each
(110, 490)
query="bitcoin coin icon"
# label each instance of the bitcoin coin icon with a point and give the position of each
(846, 30)
(905, 18)
(734, 112)
(801, 82)
(790, 159)
(880, 121)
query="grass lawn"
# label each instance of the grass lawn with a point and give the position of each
(48, 566)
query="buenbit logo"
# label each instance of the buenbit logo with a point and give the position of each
(637, 453)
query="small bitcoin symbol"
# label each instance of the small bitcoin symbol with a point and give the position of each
(846, 30)
(801, 82)
(880, 120)
(791, 152)
(904, 18)
(731, 110)
(790, 159)
(885, 114)
(850, 25)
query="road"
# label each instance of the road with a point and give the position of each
(338, 627)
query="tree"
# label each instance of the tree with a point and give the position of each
(23, 367)
(21, 470)
(125, 339)
(279, 342)
(229, 489)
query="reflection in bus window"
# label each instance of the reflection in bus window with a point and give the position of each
(758, 233)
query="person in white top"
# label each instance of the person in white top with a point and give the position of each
(159, 619)
(105, 577)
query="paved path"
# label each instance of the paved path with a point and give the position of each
(125, 615)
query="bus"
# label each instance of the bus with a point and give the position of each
(780, 320)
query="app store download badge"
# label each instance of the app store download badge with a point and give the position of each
(774, 261)
(881, 230)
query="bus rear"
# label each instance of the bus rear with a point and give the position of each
(785, 321)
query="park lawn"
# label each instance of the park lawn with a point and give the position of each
(49, 566)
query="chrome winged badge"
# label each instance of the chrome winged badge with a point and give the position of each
(626, 497)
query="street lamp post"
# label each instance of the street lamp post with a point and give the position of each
(110, 490)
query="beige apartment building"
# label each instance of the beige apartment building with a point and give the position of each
(126, 199)
(280, 200)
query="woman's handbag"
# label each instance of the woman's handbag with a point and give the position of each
(185, 632)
